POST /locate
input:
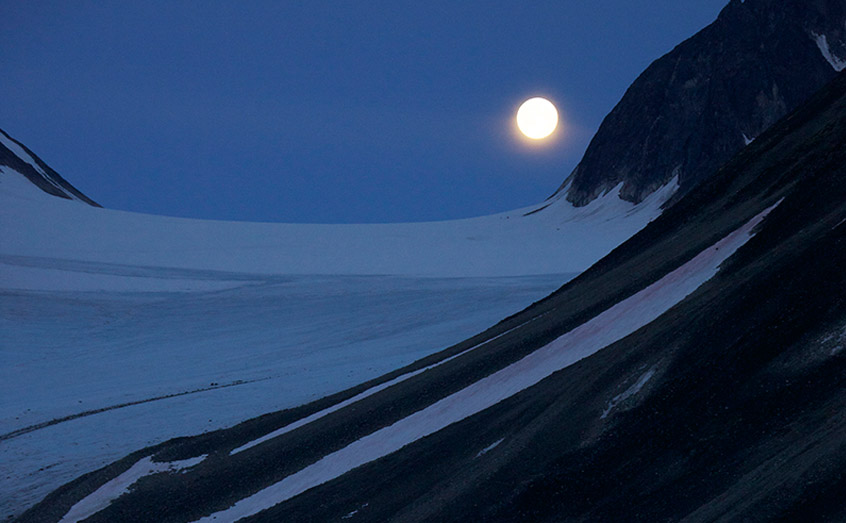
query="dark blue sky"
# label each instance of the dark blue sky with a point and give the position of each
(313, 111)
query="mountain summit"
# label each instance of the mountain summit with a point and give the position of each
(696, 106)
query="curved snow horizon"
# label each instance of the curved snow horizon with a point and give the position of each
(550, 238)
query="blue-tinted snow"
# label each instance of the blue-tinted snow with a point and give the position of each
(102, 308)
(290, 340)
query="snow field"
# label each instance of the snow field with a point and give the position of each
(279, 343)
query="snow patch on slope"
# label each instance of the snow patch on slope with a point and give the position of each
(628, 393)
(747, 140)
(839, 64)
(489, 448)
(113, 489)
(612, 325)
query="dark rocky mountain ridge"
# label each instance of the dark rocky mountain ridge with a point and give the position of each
(741, 416)
(40, 174)
(695, 107)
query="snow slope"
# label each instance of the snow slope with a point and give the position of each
(122, 330)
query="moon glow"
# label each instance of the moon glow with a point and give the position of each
(537, 118)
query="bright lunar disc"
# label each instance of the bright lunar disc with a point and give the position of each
(537, 118)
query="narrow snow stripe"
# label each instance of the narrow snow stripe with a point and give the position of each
(613, 324)
(490, 447)
(628, 393)
(113, 489)
(364, 394)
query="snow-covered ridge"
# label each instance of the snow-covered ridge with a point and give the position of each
(612, 325)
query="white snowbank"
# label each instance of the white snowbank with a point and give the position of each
(604, 329)
(113, 489)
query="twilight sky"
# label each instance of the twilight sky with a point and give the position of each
(320, 111)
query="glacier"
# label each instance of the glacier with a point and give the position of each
(123, 330)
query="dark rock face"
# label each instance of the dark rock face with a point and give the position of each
(695, 107)
(41, 176)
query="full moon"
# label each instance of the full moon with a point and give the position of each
(537, 118)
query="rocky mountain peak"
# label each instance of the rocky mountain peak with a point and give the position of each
(699, 104)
